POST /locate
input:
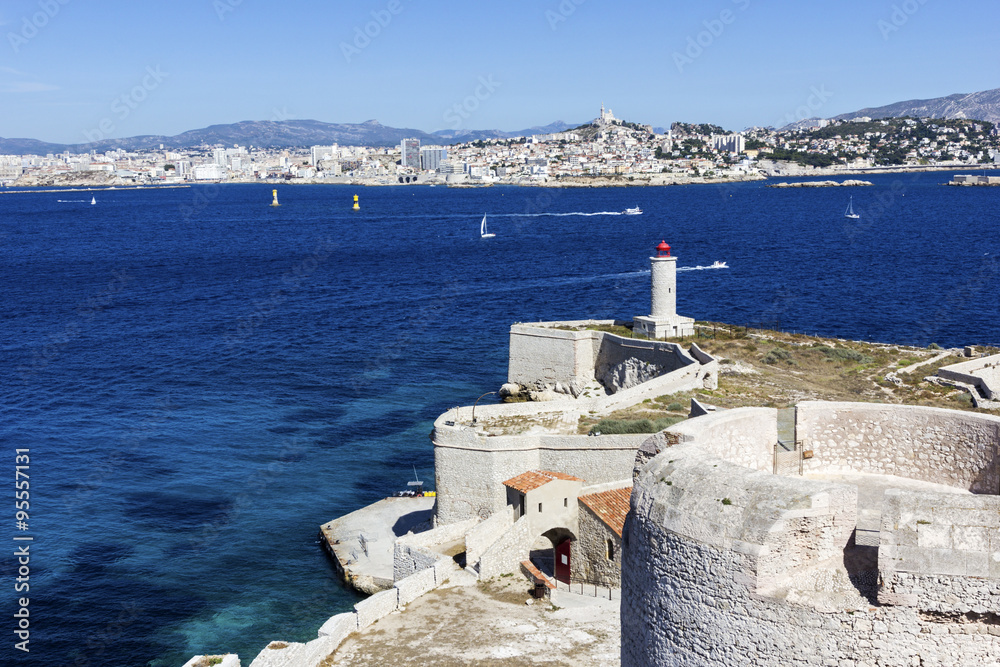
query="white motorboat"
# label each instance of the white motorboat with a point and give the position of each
(719, 265)
(633, 211)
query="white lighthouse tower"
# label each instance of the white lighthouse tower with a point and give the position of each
(663, 320)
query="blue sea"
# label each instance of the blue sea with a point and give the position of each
(202, 380)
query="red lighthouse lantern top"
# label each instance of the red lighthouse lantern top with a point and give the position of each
(663, 250)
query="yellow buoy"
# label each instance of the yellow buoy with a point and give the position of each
(274, 193)
(357, 207)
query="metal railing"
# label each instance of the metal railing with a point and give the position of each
(788, 457)
(589, 588)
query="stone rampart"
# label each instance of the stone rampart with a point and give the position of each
(415, 585)
(375, 607)
(408, 559)
(482, 537)
(543, 356)
(960, 449)
(983, 373)
(782, 525)
(505, 554)
(940, 552)
(727, 565)
(470, 469)
(744, 436)
(470, 466)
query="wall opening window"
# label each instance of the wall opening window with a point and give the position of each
(539, 507)
(611, 549)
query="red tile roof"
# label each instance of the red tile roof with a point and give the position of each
(610, 507)
(533, 479)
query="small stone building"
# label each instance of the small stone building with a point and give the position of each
(548, 501)
(597, 552)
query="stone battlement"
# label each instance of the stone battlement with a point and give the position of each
(725, 562)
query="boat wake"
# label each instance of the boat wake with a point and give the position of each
(555, 215)
(723, 265)
(72, 201)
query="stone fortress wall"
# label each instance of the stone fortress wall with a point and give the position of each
(725, 563)
(546, 357)
(982, 373)
(471, 465)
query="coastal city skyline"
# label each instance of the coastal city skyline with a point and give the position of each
(71, 74)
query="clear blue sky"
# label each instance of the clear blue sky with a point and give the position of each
(221, 61)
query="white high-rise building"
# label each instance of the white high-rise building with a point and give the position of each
(317, 153)
(732, 143)
(431, 157)
(410, 149)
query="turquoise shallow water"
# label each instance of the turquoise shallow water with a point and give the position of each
(203, 380)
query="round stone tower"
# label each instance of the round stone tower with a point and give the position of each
(663, 320)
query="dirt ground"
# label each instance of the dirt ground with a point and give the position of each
(486, 624)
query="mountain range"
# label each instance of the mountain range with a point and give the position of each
(984, 105)
(277, 134)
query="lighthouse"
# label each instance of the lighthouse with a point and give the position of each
(663, 320)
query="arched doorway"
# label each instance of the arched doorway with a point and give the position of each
(550, 553)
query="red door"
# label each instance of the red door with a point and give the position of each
(562, 561)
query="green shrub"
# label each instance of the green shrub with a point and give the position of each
(933, 346)
(963, 399)
(675, 407)
(778, 354)
(846, 354)
(616, 426)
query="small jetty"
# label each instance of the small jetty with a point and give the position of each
(362, 542)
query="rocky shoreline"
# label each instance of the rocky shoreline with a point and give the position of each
(821, 184)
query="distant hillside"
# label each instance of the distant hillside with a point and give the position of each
(276, 134)
(459, 136)
(984, 105)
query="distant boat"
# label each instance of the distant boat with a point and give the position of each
(849, 213)
(93, 200)
(482, 230)
(633, 211)
(719, 265)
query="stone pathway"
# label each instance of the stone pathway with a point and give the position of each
(489, 624)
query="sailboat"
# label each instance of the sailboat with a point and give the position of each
(482, 229)
(849, 213)
(93, 200)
